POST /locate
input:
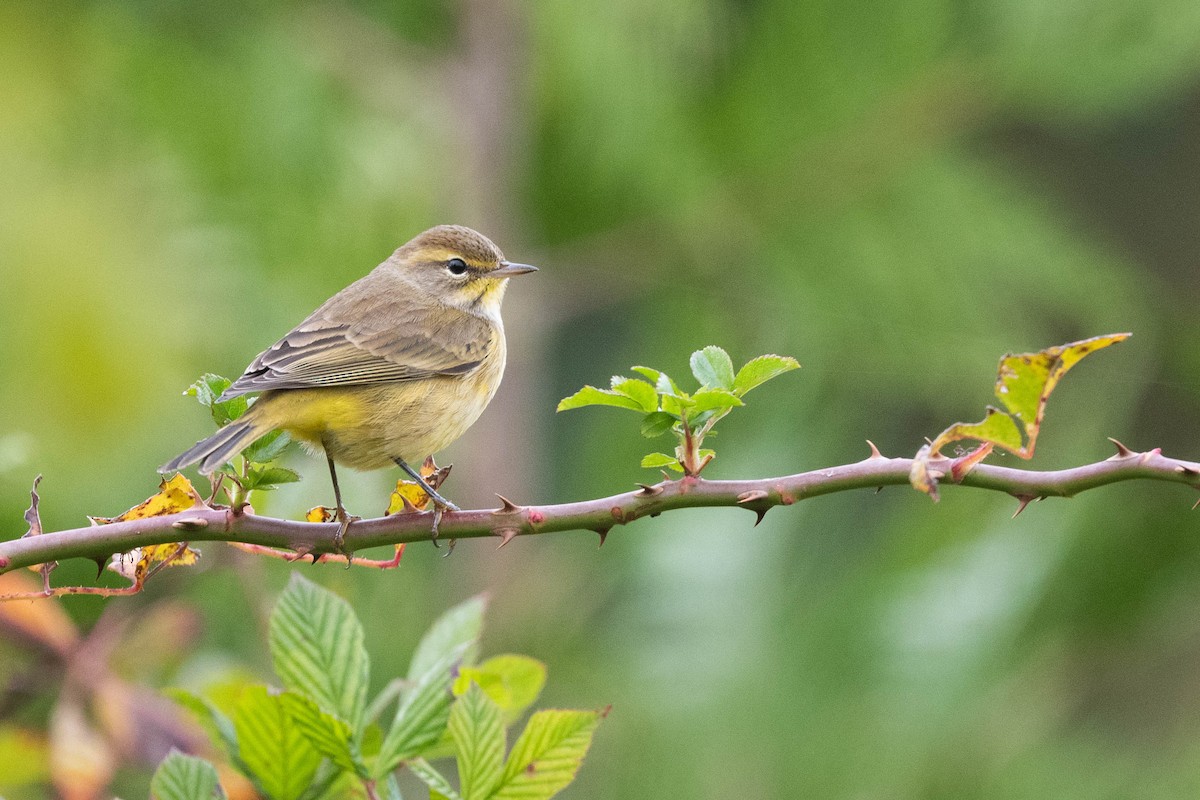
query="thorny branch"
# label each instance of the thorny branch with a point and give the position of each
(204, 523)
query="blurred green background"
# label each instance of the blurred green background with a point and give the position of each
(893, 193)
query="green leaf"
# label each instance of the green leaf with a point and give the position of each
(218, 726)
(329, 736)
(422, 714)
(650, 373)
(760, 370)
(712, 368)
(265, 478)
(513, 682)
(657, 424)
(479, 739)
(317, 649)
(460, 625)
(655, 460)
(591, 396)
(714, 400)
(273, 748)
(181, 777)
(636, 390)
(267, 448)
(208, 388)
(436, 781)
(546, 757)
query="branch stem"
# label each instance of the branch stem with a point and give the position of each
(202, 523)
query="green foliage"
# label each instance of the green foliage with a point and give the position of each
(319, 736)
(690, 417)
(181, 777)
(255, 471)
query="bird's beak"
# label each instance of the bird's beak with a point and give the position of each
(508, 270)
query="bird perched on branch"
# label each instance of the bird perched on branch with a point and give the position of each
(391, 369)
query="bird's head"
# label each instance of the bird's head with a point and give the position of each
(459, 266)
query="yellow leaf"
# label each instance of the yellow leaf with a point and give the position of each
(319, 514)
(1023, 384)
(411, 491)
(174, 495)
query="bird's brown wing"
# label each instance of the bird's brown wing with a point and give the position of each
(375, 337)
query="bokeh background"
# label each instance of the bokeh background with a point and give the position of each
(894, 193)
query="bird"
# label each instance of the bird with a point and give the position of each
(389, 370)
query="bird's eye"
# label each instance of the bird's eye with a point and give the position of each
(456, 266)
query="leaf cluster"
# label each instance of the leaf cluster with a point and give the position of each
(319, 738)
(254, 470)
(665, 408)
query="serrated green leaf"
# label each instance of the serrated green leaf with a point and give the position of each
(329, 736)
(650, 373)
(664, 385)
(218, 726)
(479, 742)
(513, 682)
(422, 714)
(265, 478)
(656, 460)
(267, 448)
(713, 368)
(636, 390)
(760, 370)
(208, 388)
(436, 781)
(181, 777)
(657, 424)
(547, 755)
(591, 396)
(460, 625)
(317, 649)
(714, 400)
(277, 754)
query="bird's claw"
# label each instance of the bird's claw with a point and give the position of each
(438, 510)
(339, 538)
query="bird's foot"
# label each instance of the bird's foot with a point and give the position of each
(344, 519)
(438, 510)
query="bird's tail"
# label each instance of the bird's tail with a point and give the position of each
(220, 448)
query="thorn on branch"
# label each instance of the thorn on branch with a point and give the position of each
(751, 496)
(190, 523)
(1025, 500)
(603, 534)
(647, 490)
(875, 454)
(1122, 451)
(1184, 469)
(507, 506)
(506, 535)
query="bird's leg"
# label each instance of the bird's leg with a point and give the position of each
(344, 519)
(440, 504)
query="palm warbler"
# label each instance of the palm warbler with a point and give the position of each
(391, 369)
